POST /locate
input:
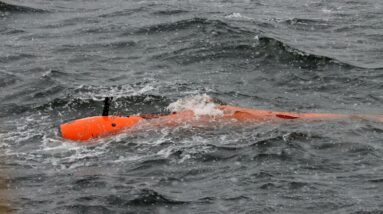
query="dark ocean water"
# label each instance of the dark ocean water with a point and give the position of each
(58, 59)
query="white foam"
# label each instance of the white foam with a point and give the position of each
(122, 159)
(325, 10)
(199, 104)
(166, 152)
(237, 16)
(98, 93)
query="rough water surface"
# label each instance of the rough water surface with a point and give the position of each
(58, 59)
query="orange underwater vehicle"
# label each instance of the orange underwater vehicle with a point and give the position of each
(98, 126)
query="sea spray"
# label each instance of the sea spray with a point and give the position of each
(199, 104)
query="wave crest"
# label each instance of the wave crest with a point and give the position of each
(5, 7)
(224, 41)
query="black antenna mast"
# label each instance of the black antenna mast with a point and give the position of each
(107, 101)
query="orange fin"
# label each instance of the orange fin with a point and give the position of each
(285, 116)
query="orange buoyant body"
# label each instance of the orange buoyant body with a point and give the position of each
(97, 126)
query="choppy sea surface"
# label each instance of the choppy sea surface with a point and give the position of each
(58, 59)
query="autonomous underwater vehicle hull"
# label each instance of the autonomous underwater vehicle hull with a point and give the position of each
(89, 128)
